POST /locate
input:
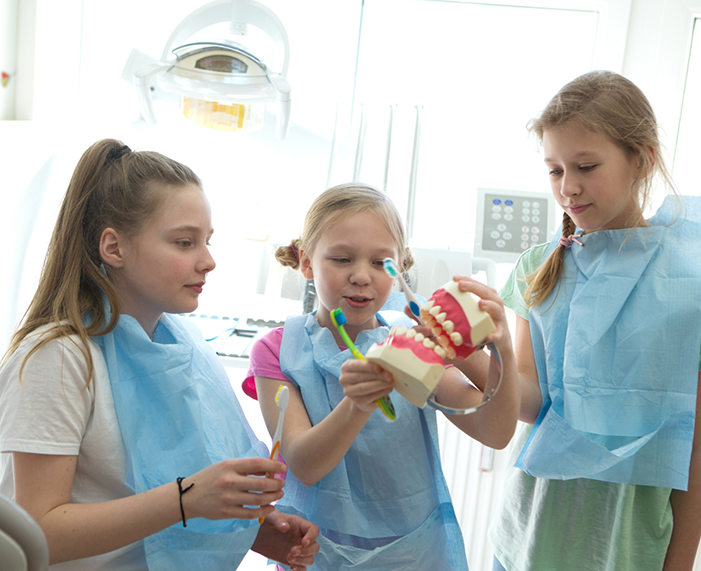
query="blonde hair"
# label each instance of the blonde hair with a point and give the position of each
(340, 201)
(111, 187)
(607, 103)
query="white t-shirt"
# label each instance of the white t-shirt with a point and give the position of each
(52, 411)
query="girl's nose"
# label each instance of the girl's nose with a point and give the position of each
(569, 185)
(360, 274)
(206, 263)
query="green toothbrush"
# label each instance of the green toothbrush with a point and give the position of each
(339, 320)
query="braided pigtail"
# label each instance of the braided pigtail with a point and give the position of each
(543, 280)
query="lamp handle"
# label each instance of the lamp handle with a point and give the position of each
(142, 82)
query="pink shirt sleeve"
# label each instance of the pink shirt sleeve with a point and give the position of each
(264, 361)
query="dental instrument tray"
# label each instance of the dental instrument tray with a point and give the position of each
(232, 336)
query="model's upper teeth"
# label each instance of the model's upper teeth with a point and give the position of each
(441, 327)
(419, 338)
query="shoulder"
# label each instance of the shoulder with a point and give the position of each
(264, 361)
(47, 409)
(268, 343)
(59, 362)
(530, 260)
(515, 286)
(38, 349)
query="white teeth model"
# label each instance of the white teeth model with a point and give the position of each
(456, 320)
(416, 361)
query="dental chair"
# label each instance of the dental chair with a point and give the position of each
(23, 546)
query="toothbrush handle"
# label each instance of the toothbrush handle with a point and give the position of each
(273, 456)
(411, 300)
(383, 403)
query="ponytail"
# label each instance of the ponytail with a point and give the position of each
(110, 187)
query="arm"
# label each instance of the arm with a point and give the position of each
(312, 452)
(531, 395)
(43, 486)
(686, 508)
(495, 423)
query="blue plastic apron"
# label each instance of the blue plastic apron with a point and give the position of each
(616, 346)
(386, 505)
(178, 414)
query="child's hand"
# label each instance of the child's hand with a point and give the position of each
(229, 490)
(288, 539)
(494, 306)
(364, 382)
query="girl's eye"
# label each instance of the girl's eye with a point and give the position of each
(184, 243)
(587, 168)
(555, 172)
(341, 260)
(380, 264)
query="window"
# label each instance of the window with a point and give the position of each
(479, 70)
(688, 148)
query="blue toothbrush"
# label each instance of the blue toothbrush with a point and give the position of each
(413, 303)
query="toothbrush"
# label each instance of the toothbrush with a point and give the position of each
(282, 397)
(412, 302)
(339, 320)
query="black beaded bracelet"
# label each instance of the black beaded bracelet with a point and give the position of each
(180, 489)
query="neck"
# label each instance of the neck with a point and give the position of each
(148, 324)
(150, 332)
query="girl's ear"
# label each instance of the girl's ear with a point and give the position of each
(646, 164)
(112, 248)
(305, 265)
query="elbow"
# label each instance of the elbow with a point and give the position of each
(500, 441)
(309, 481)
(307, 477)
(500, 438)
(499, 444)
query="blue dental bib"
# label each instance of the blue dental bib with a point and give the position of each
(616, 346)
(386, 505)
(178, 414)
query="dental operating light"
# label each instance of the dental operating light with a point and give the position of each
(221, 83)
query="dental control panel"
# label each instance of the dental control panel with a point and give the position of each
(509, 222)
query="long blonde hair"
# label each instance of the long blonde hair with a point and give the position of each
(340, 201)
(111, 187)
(607, 103)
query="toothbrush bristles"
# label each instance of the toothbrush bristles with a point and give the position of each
(339, 316)
(391, 267)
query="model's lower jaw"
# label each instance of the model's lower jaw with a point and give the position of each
(416, 363)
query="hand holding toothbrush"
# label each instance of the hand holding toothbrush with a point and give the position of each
(282, 398)
(339, 320)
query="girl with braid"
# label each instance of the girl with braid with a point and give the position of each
(608, 332)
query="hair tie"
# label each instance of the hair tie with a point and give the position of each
(116, 154)
(182, 491)
(567, 242)
(294, 251)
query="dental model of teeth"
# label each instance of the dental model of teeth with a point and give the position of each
(456, 320)
(415, 361)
